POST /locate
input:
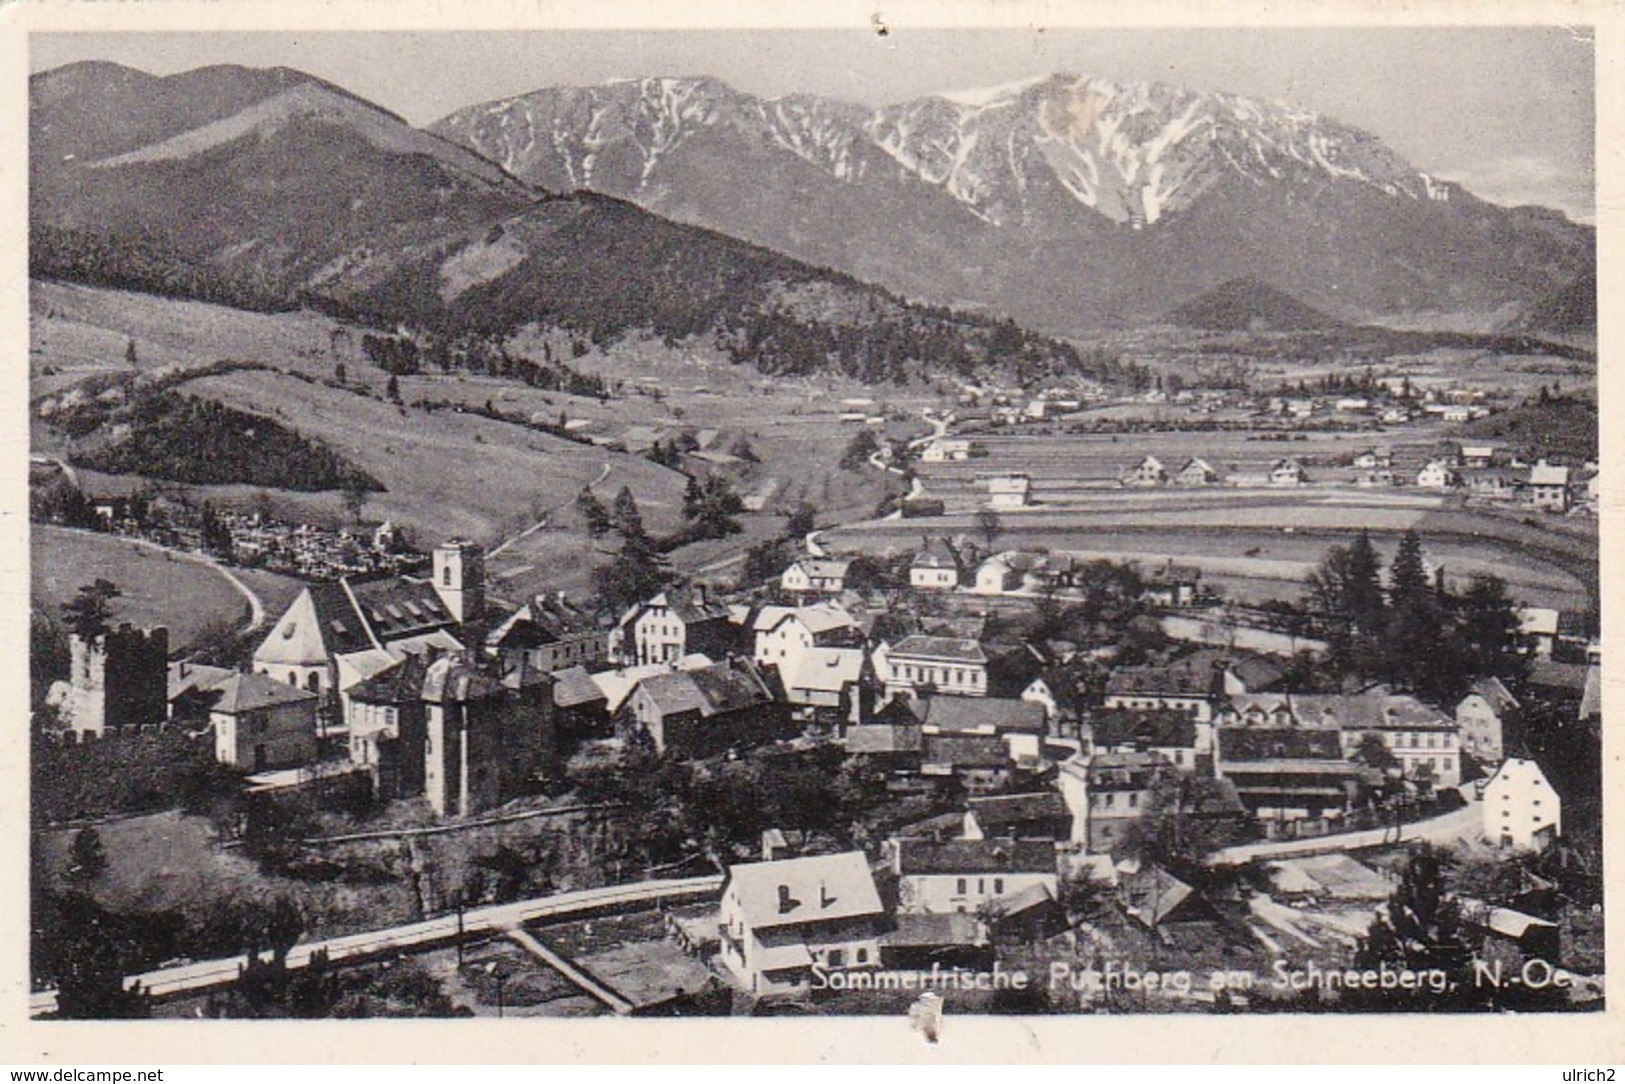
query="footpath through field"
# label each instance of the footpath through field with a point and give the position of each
(355, 948)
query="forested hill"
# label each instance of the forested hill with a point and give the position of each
(274, 190)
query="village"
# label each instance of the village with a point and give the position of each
(992, 760)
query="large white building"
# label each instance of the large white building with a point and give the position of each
(1521, 810)
(779, 920)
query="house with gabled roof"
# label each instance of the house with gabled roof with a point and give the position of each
(1174, 734)
(1547, 487)
(936, 567)
(388, 722)
(1011, 490)
(832, 684)
(1147, 472)
(815, 576)
(1286, 773)
(1482, 716)
(980, 763)
(944, 665)
(1286, 472)
(1107, 793)
(780, 920)
(963, 875)
(549, 633)
(972, 715)
(1041, 815)
(705, 711)
(1193, 687)
(677, 621)
(1521, 810)
(1196, 472)
(261, 724)
(1437, 474)
(784, 633)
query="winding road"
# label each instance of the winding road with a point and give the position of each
(191, 978)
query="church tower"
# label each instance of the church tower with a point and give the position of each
(459, 578)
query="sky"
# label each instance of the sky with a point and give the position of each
(1507, 112)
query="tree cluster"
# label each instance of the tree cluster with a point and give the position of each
(1415, 634)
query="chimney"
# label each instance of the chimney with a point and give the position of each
(824, 898)
(787, 903)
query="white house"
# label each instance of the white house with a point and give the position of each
(1286, 472)
(949, 666)
(780, 920)
(815, 576)
(1436, 475)
(1147, 472)
(1196, 472)
(1547, 487)
(262, 724)
(935, 568)
(1482, 715)
(1003, 572)
(1009, 490)
(1521, 810)
(946, 450)
(676, 622)
(784, 633)
(960, 875)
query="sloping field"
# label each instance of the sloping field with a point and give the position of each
(79, 330)
(159, 588)
(446, 473)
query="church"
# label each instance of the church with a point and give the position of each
(337, 635)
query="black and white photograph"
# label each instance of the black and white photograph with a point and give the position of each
(878, 520)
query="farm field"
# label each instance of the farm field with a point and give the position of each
(1061, 463)
(1262, 543)
(159, 588)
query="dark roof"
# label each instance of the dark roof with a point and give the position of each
(341, 628)
(1125, 771)
(1570, 676)
(974, 712)
(1017, 808)
(1165, 729)
(1256, 673)
(717, 689)
(941, 826)
(967, 750)
(928, 931)
(939, 647)
(1277, 743)
(574, 687)
(1174, 679)
(974, 856)
(249, 692)
(883, 738)
(457, 678)
(1206, 797)
(1153, 895)
(401, 683)
(398, 607)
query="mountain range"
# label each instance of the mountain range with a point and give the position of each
(271, 189)
(783, 231)
(1070, 202)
